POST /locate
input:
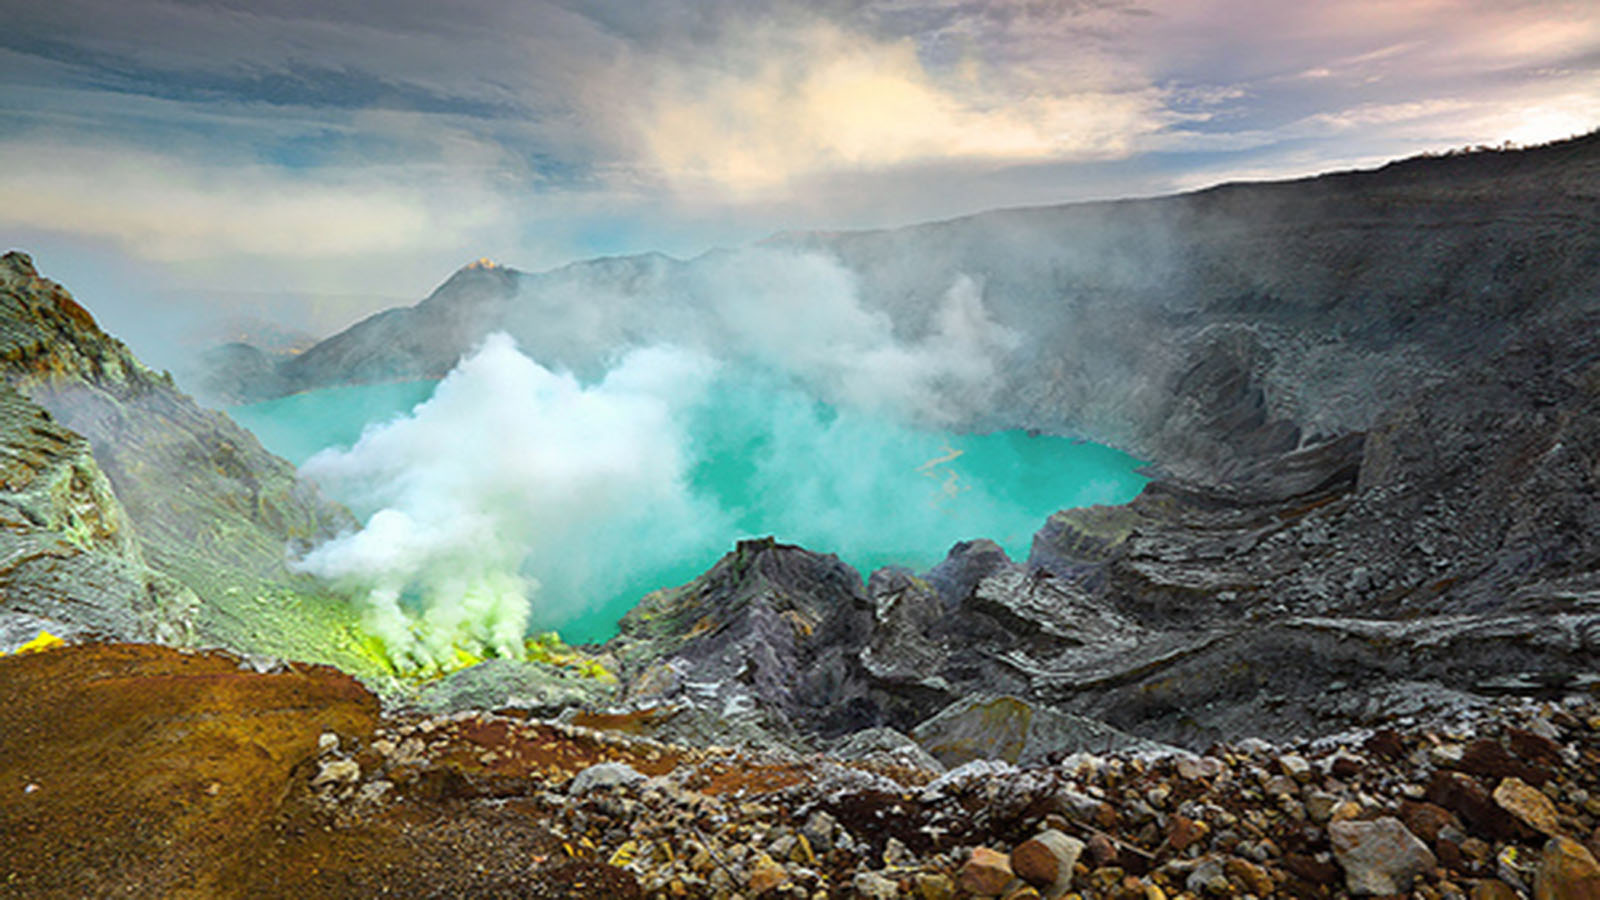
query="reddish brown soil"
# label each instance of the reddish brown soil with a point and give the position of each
(138, 770)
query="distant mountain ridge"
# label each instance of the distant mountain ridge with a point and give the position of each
(1199, 330)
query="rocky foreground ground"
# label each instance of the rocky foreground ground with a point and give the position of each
(134, 770)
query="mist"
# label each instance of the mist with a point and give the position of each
(762, 398)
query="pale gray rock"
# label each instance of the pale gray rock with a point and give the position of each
(1379, 857)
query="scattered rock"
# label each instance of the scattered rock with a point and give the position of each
(1567, 871)
(1379, 857)
(1046, 860)
(337, 771)
(602, 776)
(935, 886)
(766, 874)
(986, 871)
(1529, 806)
(1425, 820)
(1183, 832)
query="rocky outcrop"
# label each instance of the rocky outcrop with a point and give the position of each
(771, 630)
(163, 519)
(71, 565)
(1448, 555)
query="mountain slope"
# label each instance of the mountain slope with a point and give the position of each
(192, 515)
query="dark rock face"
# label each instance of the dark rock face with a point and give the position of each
(770, 627)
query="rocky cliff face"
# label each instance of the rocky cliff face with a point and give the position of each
(139, 513)
(1448, 556)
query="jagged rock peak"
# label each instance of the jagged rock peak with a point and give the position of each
(16, 262)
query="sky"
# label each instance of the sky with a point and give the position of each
(311, 161)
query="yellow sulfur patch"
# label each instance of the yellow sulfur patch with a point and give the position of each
(45, 641)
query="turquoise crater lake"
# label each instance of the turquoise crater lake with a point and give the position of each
(873, 491)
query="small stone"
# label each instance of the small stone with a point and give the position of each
(1100, 851)
(1046, 860)
(337, 771)
(1311, 869)
(602, 776)
(1387, 744)
(895, 853)
(1379, 857)
(1319, 806)
(1490, 889)
(1528, 805)
(1477, 850)
(1295, 766)
(935, 886)
(1567, 871)
(1194, 768)
(1346, 765)
(327, 742)
(1534, 747)
(819, 830)
(1345, 811)
(766, 874)
(873, 886)
(1464, 796)
(1252, 876)
(1280, 786)
(1183, 832)
(985, 872)
(1209, 878)
(1425, 820)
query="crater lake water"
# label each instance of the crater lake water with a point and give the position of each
(873, 491)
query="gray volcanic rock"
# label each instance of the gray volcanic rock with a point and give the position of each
(196, 519)
(1018, 732)
(770, 627)
(1400, 575)
(71, 564)
(235, 373)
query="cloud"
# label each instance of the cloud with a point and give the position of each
(771, 106)
(512, 481)
(166, 207)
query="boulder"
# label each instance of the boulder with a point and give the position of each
(1379, 857)
(986, 871)
(1046, 859)
(1567, 871)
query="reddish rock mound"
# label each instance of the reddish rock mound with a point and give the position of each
(142, 770)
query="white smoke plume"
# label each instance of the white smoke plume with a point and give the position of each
(509, 469)
(516, 484)
(801, 313)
